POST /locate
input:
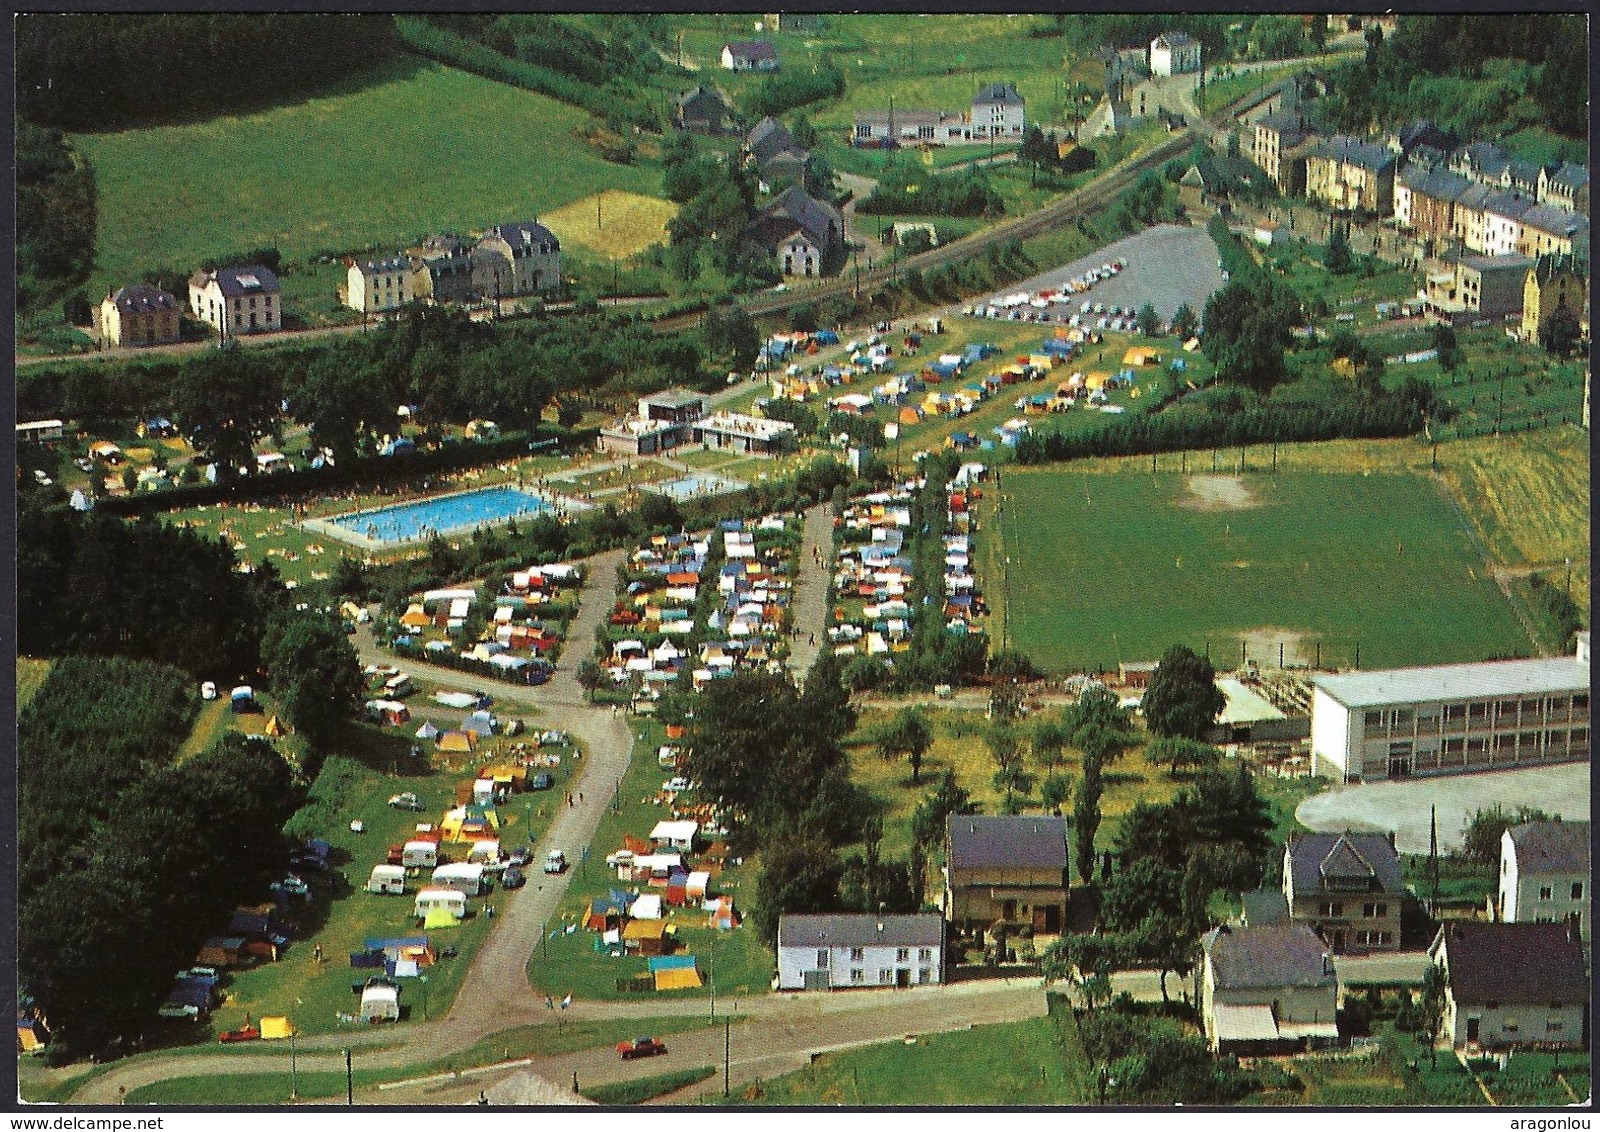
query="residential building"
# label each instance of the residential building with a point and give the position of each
(140, 315)
(1174, 53)
(998, 111)
(1483, 163)
(376, 285)
(1502, 222)
(1393, 723)
(1547, 230)
(1424, 201)
(1420, 133)
(1348, 887)
(517, 259)
(1351, 176)
(1267, 989)
(749, 55)
(804, 234)
(703, 110)
(1278, 145)
(1553, 283)
(1470, 218)
(777, 155)
(1544, 874)
(831, 952)
(1511, 985)
(1010, 869)
(1210, 181)
(441, 270)
(914, 127)
(1477, 287)
(236, 300)
(1262, 907)
(1565, 186)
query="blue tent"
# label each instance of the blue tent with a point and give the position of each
(400, 446)
(670, 963)
(825, 338)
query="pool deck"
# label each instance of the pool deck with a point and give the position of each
(558, 505)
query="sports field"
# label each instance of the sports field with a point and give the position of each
(421, 148)
(1109, 568)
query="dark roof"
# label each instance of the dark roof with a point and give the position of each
(1173, 39)
(1436, 184)
(1555, 221)
(858, 930)
(393, 263)
(1427, 156)
(1350, 151)
(141, 298)
(770, 137)
(1512, 963)
(817, 219)
(1492, 263)
(1003, 93)
(754, 49)
(236, 281)
(1269, 957)
(1524, 172)
(1511, 205)
(528, 235)
(1551, 846)
(704, 94)
(1286, 123)
(1486, 157)
(979, 842)
(1313, 856)
(1423, 132)
(1570, 176)
(1264, 906)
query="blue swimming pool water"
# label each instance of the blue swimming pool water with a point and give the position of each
(445, 515)
(701, 483)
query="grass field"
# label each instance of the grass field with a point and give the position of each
(1119, 567)
(612, 224)
(420, 149)
(31, 675)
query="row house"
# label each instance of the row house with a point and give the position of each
(1547, 230)
(1351, 175)
(236, 300)
(376, 285)
(1278, 145)
(1565, 186)
(140, 315)
(1555, 283)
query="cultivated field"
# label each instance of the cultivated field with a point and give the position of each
(422, 148)
(1106, 568)
(612, 224)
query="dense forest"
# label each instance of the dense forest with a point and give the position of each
(55, 214)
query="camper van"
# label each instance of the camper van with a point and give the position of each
(380, 1003)
(449, 899)
(419, 855)
(399, 685)
(387, 880)
(464, 877)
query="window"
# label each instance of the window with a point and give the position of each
(1546, 892)
(902, 954)
(886, 976)
(1477, 712)
(1505, 710)
(924, 975)
(1454, 746)
(858, 954)
(1580, 701)
(1577, 890)
(1400, 719)
(1509, 1026)
(1374, 719)
(858, 976)
(1374, 910)
(1552, 1027)
(1330, 908)
(924, 955)
(822, 958)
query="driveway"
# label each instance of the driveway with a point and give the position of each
(1404, 806)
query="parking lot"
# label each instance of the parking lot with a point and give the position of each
(1167, 266)
(1403, 806)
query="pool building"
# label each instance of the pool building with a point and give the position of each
(676, 418)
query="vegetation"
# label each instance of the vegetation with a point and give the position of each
(56, 205)
(1480, 837)
(1183, 700)
(952, 194)
(643, 1089)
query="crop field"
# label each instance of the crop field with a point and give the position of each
(1107, 568)
(421, 149)
(612, 224)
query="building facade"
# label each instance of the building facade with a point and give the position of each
(441, 270)
(1547, 230)
(749, 55)
(517, 259)
(376, 285)
(140, 315)
(1554, 283)
(1267, 989)
(1174, 53)
(1347, 887)
(833, 952)
(1511, 985)
(1351, 176)
(1394, 723)
(1544, 874)
(1484, 286)
(236, 300)
(1278, 145)
(1006, 869)
(998, 111)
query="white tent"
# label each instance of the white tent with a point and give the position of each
(646, 908)
(427, 731)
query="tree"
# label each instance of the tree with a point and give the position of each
(804, 133)
(591, 677)
(1481, 834)
(907, 734)
(1005, 702)
(1337, 258)
(1183, 322)
(1086, 817)
(1036, 150)
(1444, 341)
(1183, 699)
(1560, 332)
(1432, 1005)
(800, 874)
(1049, 739)
(929, 819)
(1014, 779)
(1182, 754)
(731, 333)
(1054, 791)
(314, 670)
(1149, 321)
(825, 700)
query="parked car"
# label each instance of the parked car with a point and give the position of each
(406, 801)
(555, 862)
(520, 856)
(640, 1047)
(513, 878)
(542, 781)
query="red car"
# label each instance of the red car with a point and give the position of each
(640, 1047)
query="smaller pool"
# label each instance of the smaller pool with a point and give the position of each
(701, 483)
(442, 515)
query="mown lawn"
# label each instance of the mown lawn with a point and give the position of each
(1107, 568)
(421, 149)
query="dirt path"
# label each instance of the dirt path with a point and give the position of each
(811, 592)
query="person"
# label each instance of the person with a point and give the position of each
(316, 953)
(574, 1080)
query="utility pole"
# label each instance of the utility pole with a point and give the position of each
(727, 1028)
(294, 1069)
(349, 1081)
(1433, 860)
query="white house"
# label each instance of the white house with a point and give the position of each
(376, 285)
(826, 952)
(1512, 985)
(998, 111)
(1544, 874)
(1267, 988)
(1393, 723)
(236, 300)
(1174, 53)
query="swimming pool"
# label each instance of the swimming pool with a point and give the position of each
(443, 515)
(701, 483)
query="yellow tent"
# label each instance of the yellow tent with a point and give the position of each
(415, 617)
(1095, 380)
(678, 978)
(276, 1029)
(28, 1036)
(1141, 356)
(440, 918)
(274, 728)
(458, 741)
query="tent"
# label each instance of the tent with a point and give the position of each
(674, 972)
(647, 937)
(459, 742)
(427, 731)
(31, 1035)
(646, 908)
(276, 1029)
(440, 918)
(274, 728)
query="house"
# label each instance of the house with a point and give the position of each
(1352, 176)
(1510, 985)
(1564, 186)
(1483, 163)
(742, 432)
(1446, 719)
(236, 300)
(1279, 143)
(777, 155)
(1424, 201)
(441, 270)
(1347, 887)
(703, 110)
(1267, 989)
(1011, 869)
(1554, 283)
(1547, 230)
(804, 234)
(376, 285)
(516, 259)
(1480, 286)
(1544, 874)
(749, 55)
(1502, 222)
(1406, 140)
(828, 952)
(998, 111)
(140, 315)
(1174, 53)
(1210, 180)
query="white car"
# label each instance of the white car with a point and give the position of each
(43, 478)
(677, 784)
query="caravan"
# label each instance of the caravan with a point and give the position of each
(464, 878)
(420, 854)
(387, 880)
(398, 685)
(433, 899)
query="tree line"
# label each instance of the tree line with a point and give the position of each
(967, 193)
(56, 213)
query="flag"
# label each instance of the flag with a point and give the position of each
(566, 1002)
